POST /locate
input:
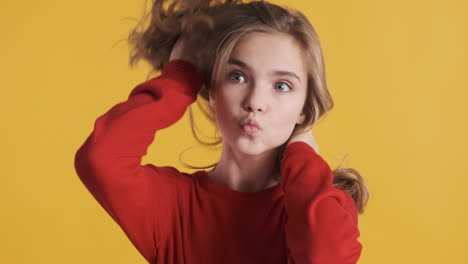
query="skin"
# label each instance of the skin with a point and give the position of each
(251, 88)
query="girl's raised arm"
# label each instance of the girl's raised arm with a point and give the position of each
(138, 197)
(322, 221)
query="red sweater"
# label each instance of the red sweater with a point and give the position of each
(176, 217)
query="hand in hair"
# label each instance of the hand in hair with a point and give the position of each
(306, 137)
(181, 51)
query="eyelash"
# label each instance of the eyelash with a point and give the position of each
(237, 72)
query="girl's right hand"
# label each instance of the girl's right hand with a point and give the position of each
(306, 137)
(181, 51)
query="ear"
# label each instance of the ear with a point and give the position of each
(300, 119)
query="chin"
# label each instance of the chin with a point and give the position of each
(246, 146)
(253, 145)
(253, 148)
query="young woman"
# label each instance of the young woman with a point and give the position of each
(271, 198)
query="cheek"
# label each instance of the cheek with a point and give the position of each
(282, 124)
(225, 116)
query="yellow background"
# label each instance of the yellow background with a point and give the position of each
(397, 71)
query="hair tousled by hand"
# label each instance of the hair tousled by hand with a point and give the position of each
(157, 32)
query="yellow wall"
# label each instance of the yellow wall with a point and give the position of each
(397, 72)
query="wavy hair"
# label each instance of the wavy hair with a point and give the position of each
(220, 25)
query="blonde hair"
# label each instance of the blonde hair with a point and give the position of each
(220, 25)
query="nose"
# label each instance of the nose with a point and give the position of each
(255, 100)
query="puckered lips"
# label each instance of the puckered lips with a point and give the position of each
(250, 125)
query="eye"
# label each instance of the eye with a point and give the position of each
(284, 85)
(235, 76)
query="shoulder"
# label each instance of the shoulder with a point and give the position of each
(170, 172)
(172, 175)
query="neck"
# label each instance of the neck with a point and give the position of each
(246, 173)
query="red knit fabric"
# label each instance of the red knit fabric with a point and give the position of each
(176, 217)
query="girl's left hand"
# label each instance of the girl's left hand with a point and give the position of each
(306, 137)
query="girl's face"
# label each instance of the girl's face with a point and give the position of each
(265, 79)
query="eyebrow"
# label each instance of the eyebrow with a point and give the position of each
(244, 65)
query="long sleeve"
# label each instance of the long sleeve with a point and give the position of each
(322, 221)
(138, 197)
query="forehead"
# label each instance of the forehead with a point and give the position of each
(265, 52)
